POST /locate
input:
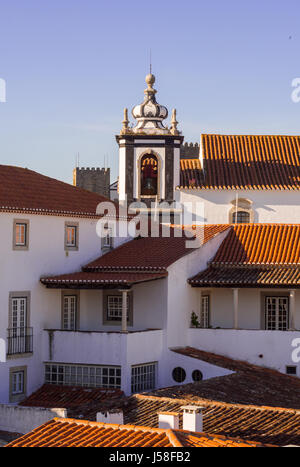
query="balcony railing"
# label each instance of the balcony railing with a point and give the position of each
(19, 341)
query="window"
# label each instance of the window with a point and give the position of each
(17, 383)
(112, 308)
(277, 313)
(241, 211)
(149, 175)
(241, 217)
(107, 239)
(83, 375)
(69, 312)
(291, 370)
(143, 377)
(71, 236)
(204, 315)
(21, 234)
(197, 375)
(19, 334)
(179, 374)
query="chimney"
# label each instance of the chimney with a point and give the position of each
(192, 419)
(115, 417)
(168, 420)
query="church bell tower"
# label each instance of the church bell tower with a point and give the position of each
(149, 152)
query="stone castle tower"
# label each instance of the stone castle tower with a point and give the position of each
(92, 179)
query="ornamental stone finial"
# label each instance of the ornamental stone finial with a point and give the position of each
(174, 123)
(125, 122)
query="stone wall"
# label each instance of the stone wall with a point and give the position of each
(92, 179)
(18, 419)
(189, 151)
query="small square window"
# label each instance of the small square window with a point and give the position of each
(291, 370)
(71, 236)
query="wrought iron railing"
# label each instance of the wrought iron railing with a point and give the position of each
(19, 340)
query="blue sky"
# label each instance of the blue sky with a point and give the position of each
(71, 66)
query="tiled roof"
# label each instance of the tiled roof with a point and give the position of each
(260, 244)
(254, 403)
(151, 253)
(245, 162)
(61, 432)
(266, 425)
(87, 280)
(255, 255)
(250, 384)
(139, 260)
(23, 190)
(276, 276)
(75, 399)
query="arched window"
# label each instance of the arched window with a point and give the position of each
(241, 211)
(241, 217)
(149, 172)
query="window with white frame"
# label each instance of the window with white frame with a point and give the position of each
(205, 312)
(114, 307)
(83, 375)
(70, 312)
(18, 312)
(17, 383)
(277, 313)
(143, 377)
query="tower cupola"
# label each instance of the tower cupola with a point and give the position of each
(150, 114)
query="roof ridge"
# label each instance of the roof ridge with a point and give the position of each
(209, 402)
(114, 426)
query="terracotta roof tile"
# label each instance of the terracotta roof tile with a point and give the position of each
(61, 432)
(255, 255)
(245, 162)
(260, 244)
(25, 190)
(152, 252)
(250, 384)
(87, 280)
(77, 400)
(139, 260)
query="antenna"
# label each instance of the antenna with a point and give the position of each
(150, 62)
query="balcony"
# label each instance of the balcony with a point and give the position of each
(19, 341)
(102, 348)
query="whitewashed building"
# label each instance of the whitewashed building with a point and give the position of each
(75, 316)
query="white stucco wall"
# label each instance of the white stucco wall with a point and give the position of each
(182, 298)
(20, 271)
(268, 205)
(272, 349)
(18, 419)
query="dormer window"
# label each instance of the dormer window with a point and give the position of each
(149, 175)
(241, 217)
(241, 211)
